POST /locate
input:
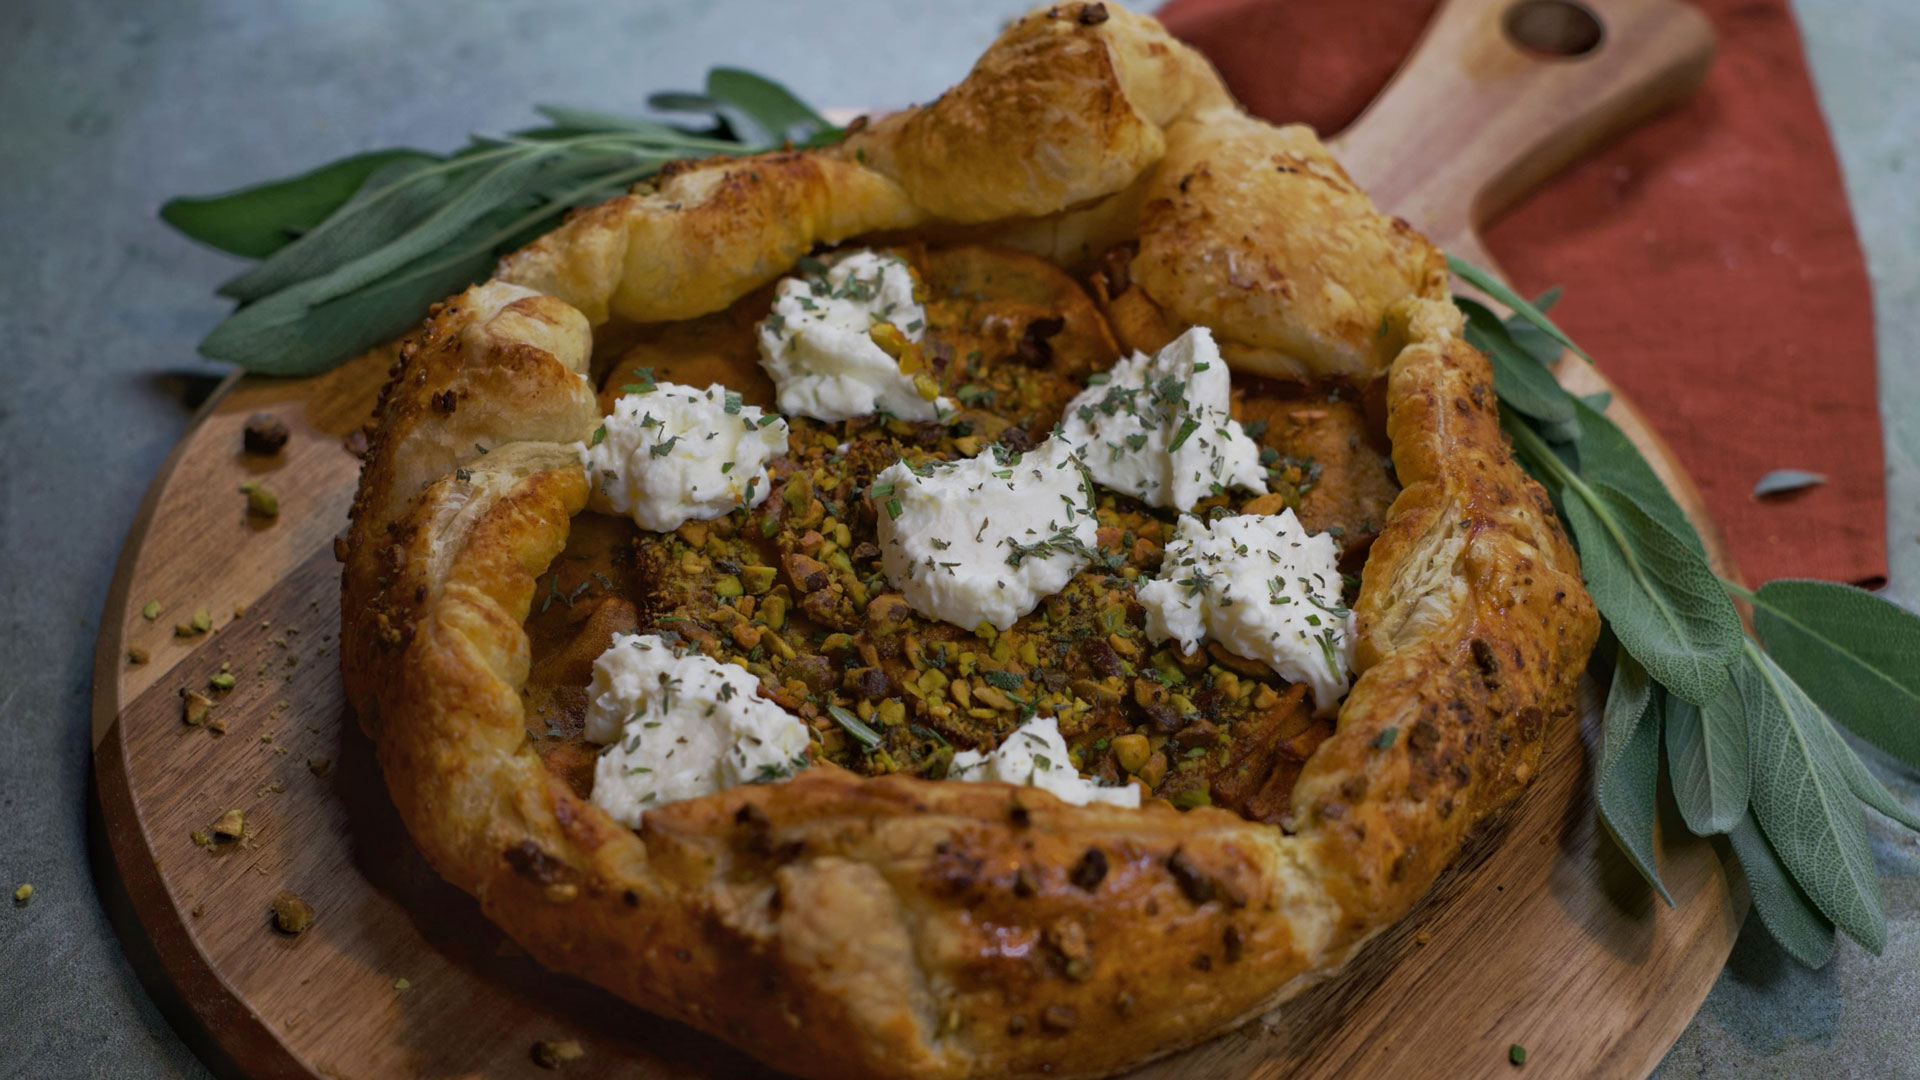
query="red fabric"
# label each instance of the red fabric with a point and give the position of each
(1709, 260)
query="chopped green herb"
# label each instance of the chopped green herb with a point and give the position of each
(854, 726)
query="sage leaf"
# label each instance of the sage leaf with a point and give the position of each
(269, 338)
(569, 121)
(1783, 908)
(1707, 760)
(362, 238)
(1853, 652)
(1524, 385)
(1627, 787)
(1607, 455)
(682, 101)
(761, 111)
(1532, 340)
(1494, 287)
(1783, 481)
(1861, 782)
(308, 328)
(392, 202)
(490, 184)
(1656, 591)
(1803, 803)
(257, 221)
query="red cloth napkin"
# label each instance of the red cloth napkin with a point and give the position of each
(1709, 260)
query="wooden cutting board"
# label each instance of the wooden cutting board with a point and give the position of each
(1542, 935)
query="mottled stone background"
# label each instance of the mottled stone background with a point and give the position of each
(108, 108)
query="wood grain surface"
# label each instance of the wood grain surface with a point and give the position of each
(1541, 935)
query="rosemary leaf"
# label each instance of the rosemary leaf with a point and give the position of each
(854, 726)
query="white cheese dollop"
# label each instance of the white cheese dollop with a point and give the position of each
(818, 348)
(1035, 755)
(676, 454)
(1262, 587)
(987, 538)
(1157, 428)
(681, 726)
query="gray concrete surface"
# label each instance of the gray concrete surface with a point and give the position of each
(106, 108)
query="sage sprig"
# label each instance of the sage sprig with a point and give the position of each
(1750, 750)
(352, 253)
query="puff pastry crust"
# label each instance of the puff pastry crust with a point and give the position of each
(839, 926)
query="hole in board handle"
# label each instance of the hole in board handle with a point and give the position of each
(1554, 29)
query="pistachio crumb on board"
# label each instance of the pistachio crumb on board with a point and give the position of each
(231, 826)
(554, 1053)
(138, 655)
(24, 894)
(260, 501)
(291, 914)
(152, 610)
(196, 707)
(264, 434)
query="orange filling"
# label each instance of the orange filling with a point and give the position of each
(793, 588)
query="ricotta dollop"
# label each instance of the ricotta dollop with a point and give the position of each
(674, 454)
(986, 538)
(1035, 755)
(1263, 588)
(1157, 427)
(821, 348)
(677, 726)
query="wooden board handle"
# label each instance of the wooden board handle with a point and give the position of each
(1474, 119)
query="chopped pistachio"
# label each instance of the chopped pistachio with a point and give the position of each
(291, 915)
(24, 894)
(1131, 750)
(138, 655)
(773, 611)
(202, 621)
(152, 610)
(221, 680)
(1192, 797)
(320, 766)
(757, 579)
(1517, 1054)
(231, 826)
(200, 838)
(196, 707)
(402, 984)
(727, 587)
(261, 501)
